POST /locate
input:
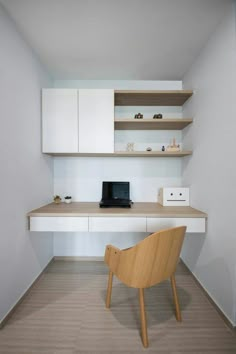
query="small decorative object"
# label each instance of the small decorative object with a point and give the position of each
(68, 199)
(173, 146)
(138, 116)
(157, 116)
(148, 149)
(57, 199)
(130, 147)
(163, 148)
(172, 196)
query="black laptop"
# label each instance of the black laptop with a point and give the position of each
(115, 194)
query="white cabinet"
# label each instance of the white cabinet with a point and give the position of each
(60, 120)
(96, 121)
(113, 224)
(117, 224)
(78, 121)
(193, 224)
(59, 223)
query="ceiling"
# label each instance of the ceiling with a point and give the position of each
(117, 39)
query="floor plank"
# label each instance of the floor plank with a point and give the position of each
(65, 313)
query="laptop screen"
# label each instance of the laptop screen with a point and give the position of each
(115, 190)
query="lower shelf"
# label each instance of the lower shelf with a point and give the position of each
(153, 153)
(125, 154)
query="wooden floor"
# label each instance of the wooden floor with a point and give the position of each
(65, 313)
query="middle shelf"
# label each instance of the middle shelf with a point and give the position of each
(152, 124)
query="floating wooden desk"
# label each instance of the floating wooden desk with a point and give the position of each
(88, 217)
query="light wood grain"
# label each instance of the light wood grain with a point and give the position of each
(152, 124)
(151, 97)
(137, 210)
(109, 289)
(64, 313)
(143, 318)
(14, 308)
(126, 154)
(176, 300)
(150, 262)
(153, 153)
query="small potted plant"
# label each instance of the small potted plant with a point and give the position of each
(68, 199)
(57, 199)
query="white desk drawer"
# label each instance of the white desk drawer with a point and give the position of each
(58, 223)
(117, 224)
(193, 224)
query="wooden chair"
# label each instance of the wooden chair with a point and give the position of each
(149, 262)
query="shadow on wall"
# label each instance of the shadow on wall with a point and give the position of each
(220, 284)
(215, 276)
(191, 250)
(234, 291)
(42, 247)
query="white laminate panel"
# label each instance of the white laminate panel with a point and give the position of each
(193, 224)
(60, 120)
(117, 224)
(59, 223)
(96, 121)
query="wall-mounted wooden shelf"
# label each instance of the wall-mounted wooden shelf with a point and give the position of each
(151, 98)
(125, 154)
(61, 131)
(153, 153)
(152, 124)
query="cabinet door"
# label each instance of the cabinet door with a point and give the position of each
(117, 224)
(59, 223)
(96, 121)
(60, 120)
(197, 225)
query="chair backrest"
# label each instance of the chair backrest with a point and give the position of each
(152, 260)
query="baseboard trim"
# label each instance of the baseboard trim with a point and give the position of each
(10, 313)
(213, 303)
(79, 258)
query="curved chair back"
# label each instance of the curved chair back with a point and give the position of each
(151, 261)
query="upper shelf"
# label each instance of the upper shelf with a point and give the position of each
(152, 124)
(151, 98)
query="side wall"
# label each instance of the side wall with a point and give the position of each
(211, 172)
(26, 175)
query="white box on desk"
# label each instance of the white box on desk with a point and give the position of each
(174, 196)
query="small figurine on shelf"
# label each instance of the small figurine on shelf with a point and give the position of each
(138, 116)
(148, 149)
(130, 147)
(157, 116)
(173, 146)
(68, 199)
(163, 148)
(57, 199)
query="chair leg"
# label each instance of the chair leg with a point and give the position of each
(109, 289)
(143, 318)
(176, 301)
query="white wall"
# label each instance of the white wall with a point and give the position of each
(211, 171)
(26, 178)
(82, 177)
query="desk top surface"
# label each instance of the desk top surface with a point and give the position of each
(137, 210)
